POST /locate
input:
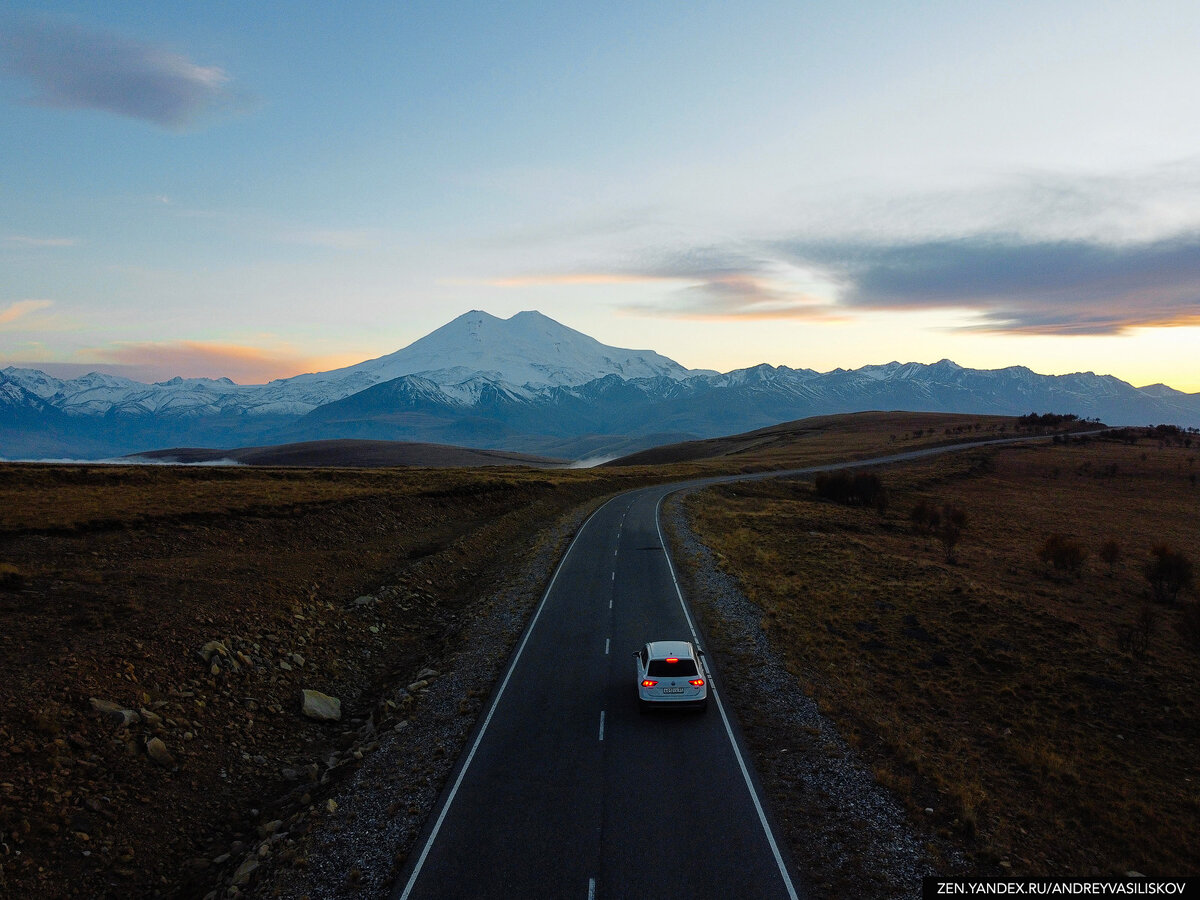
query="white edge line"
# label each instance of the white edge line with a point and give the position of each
(762, 815)
(671, 566)
(412, 879)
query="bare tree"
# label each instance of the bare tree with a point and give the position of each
(1169, 572)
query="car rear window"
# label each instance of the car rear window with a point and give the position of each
(663, 669)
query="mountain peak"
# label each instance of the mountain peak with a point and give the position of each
(528, 349)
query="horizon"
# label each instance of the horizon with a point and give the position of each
(270, 191)
(145, 373)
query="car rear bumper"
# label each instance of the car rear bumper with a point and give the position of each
(683, 702)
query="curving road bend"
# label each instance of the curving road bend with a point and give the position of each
(565, 790)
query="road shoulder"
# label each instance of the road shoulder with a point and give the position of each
(846, 833)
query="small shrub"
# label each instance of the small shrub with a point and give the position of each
(852, 489)
(1063, 553)
(1110, 553)
(1046, 420)
(1169, 572)
(952, 522)
(1135, 638)
(924, 517)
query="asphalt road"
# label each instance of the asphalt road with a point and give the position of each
(565, 789)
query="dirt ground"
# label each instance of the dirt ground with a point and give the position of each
(159, 625)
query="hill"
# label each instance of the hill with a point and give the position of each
(350, 454)
(811, 441)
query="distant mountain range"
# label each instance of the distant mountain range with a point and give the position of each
(526, 384)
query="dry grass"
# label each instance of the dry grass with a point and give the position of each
(51, 498)
(112, 579)
(998, 691)
(826, 439)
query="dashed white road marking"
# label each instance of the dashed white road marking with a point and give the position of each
(606, 642)
(462, 773)
(601, 724)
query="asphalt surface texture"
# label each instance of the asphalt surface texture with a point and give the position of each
(565, 789)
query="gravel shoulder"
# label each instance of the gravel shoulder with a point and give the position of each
(847, 835)
(353, 838)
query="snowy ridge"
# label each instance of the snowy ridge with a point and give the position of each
(529, 383)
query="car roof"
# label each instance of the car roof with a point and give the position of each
(663, 649)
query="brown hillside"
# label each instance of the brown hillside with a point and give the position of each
(820, 439)
(353, 454)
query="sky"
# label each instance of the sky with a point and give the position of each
(255, 190)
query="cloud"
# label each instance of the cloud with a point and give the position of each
(738, 296)
(195, 359)
(75, 67)
(21, 309)
(704, 283)
(1019, 286)
(1010, 284)
(24, 240)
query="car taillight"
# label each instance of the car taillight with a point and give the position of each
(698, 682)
(672, 659)
(649, 683)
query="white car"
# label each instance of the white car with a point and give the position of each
(670, 674)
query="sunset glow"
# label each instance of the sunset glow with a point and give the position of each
(267, 193)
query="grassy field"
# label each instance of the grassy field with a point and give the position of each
(114, 579)
(1014, 699)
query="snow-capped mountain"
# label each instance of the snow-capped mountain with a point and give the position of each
(527, 383)
(525, 353)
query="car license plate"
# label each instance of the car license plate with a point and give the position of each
(672, 690)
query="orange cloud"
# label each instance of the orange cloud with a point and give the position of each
(21, 309)
(159, 361)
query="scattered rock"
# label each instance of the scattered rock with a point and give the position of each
(320, 706)
(269, 828)
(158, 752)
(245, 871)
(213, 648)
(364, 600)
(114, 713)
